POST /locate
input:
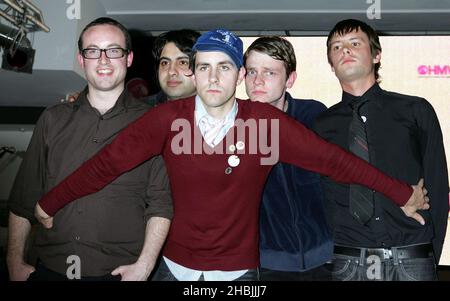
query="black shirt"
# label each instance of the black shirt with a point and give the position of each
(405, 142)
(105, 229)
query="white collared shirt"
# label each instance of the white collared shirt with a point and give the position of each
(201, 117)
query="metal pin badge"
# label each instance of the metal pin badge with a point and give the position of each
(233, 161)
(232, 148)
(240, 145)
(228, 170)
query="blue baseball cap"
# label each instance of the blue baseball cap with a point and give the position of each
(224, 41)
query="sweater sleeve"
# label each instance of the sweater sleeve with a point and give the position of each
(302, 147)
(158, 194)
(140, 141)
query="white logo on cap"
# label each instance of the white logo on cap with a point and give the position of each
(227, 38)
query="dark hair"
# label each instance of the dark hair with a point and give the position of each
(108, 21)
(184, 39)
(345, 26)
(278, 48)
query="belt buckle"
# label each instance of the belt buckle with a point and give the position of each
(382, 253)
(387, 253)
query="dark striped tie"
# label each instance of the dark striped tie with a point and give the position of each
(361, 198)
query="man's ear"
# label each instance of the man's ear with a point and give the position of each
(377, 58)
(241, 76)
(193, 79)
(130, 57)
(80, 60)
(291, 79)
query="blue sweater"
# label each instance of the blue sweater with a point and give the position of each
(294, 233)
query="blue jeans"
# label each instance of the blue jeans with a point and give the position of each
(163, 274)
(374, 268)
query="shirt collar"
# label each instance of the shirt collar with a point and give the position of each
(372, 94)
(200, 111)
(122, 104)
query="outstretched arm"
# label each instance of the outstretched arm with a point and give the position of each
(141, 140)
(305, 149)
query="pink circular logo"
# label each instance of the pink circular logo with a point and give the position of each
(422, 69)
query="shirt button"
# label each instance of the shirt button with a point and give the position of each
(95, 140)
(77, 237)
(377, 218)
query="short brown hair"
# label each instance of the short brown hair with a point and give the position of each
(276, 47)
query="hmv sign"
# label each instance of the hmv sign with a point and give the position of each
(434, 71)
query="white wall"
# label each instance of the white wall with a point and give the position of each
(57, 49)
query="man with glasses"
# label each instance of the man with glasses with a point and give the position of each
(171, 51)
(111, 53)
(117, 232)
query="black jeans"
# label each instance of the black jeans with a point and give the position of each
(320, 273)
(164, 274)
(42, 273)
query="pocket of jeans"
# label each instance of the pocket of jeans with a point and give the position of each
(417, 269)
(343, 269)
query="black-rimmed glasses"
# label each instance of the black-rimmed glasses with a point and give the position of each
(111, 53)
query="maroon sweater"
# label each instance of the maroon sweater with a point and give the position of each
(215, 223)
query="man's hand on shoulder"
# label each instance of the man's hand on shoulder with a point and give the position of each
(71, 97)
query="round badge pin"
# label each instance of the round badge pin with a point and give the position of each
(228, 170)
(233, 161)
(240, 145)
(232, 148)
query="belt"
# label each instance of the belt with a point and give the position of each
(405, 252)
